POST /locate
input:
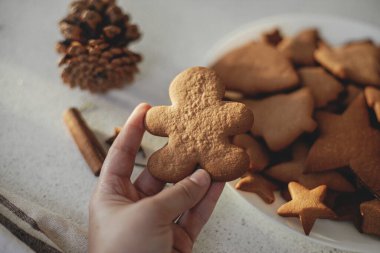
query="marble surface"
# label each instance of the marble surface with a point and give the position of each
(38, 159)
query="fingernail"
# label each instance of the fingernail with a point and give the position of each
(200, 177)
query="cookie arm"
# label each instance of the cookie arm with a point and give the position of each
(236, 116)
(157, 121)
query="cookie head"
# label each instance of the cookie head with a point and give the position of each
(199, 84)
(198, 125)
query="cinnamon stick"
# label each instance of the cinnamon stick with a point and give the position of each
(85, 139)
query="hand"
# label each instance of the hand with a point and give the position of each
(139, 217)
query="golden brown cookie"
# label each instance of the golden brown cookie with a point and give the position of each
(370, 211)
(280, 119)
(300, 48)
(348, 140)
(307, 205)
(253, 182)
(258, 154)
(293, 171)
(271, 37)
(372, 96)
(324, 87)
(256, 68)
(198, 124)
(357, 62)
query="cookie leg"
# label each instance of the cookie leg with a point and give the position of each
(171, 165)
(226, 163)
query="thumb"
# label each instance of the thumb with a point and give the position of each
(173, 201)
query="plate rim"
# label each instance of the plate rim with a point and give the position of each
(211, 53)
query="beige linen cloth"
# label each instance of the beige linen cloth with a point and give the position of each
(27, 227)
(37, 228)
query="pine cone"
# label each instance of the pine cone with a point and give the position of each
(98, 67)
(96, 34)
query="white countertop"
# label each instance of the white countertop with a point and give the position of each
(38, 159)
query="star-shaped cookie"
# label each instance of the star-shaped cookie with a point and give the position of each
(198, 124)
(280, 119)
(324, 87)
(258, 154)
(253, 182)
(358, 62)
(307, 205)
(300, 48)
(372, 96)
(348, 140)
(256, 68)
(293, 171)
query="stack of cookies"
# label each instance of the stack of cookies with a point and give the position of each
(316, 131)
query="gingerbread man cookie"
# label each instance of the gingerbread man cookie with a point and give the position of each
(198, 124)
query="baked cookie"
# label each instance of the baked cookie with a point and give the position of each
(253, 182)
(370, 211)
(348, 140)
(198, 124)
(324, 87)
(358, 62)
(280, 119)
(256, 68)
(372, 96)
(300, 48)
(258, 154)
(293, 171)
(307, 205)
(271, 37)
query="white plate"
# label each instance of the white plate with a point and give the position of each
(335, 30)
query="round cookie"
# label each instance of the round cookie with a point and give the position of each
(198, 124)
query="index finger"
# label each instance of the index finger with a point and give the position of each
(193, 220)
(121, 156)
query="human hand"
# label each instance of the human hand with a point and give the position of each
(139, 217)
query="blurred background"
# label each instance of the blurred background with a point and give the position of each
(37, 158)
